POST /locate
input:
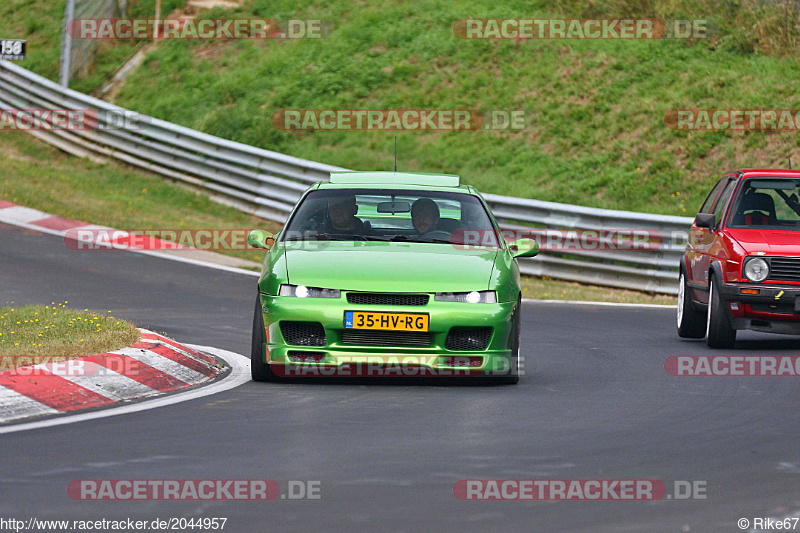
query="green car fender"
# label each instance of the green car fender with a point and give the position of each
(505, 277)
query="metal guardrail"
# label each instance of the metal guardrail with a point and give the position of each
(268, 184)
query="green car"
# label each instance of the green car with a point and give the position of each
(388, 274)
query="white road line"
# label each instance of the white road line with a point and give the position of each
(14, 406)
(199, 263)
(609, 304)
(240, 374)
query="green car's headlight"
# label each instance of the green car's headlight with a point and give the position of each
(301, 291)
(472, 297)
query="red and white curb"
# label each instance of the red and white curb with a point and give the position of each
(18, 215)
(153, 366)
(13, 213)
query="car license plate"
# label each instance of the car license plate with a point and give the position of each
(387, 321)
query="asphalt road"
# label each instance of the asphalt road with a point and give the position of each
(595, 403)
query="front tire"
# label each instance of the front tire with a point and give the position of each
(719, 331)
(512, 375)
(691, 322)
(259, 369)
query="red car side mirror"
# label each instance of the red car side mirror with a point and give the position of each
(706, 220)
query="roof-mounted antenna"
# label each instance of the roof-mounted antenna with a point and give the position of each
(395, 154)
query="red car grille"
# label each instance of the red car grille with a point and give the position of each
(784, 268)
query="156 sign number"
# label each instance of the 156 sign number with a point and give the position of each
(12, 49)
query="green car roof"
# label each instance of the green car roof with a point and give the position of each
(392, 180)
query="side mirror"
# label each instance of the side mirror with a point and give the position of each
(258, 238)
(706, 220)
(524, 248)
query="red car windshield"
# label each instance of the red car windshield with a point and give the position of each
(767, 203)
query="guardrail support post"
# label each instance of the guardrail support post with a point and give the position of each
(66, 45)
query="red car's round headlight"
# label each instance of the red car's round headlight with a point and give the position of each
(756, 269)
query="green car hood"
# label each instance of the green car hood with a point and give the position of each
(388, 266)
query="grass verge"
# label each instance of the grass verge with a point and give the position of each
(544, 288)
(50, 333)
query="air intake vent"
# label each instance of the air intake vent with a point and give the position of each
(468, 338)
(303, 333)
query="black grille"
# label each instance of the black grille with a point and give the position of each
(468, 338)
(784, 268)
(303, 333)
(371, 298)
(386, 338)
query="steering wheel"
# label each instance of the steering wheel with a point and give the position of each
(437, 234)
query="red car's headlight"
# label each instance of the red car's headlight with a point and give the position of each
(756, 269)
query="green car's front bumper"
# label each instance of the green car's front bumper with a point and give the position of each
(333, 354)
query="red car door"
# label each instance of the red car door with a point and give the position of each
(704, 246)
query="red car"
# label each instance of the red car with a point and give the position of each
(741, 268)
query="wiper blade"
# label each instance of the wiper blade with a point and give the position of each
(339, 237)
(404, 238)
(328, 237)
(437, 241)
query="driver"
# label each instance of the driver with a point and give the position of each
(342, 215)
(424, 215)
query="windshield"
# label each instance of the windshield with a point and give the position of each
(388, 215)
(767, 203)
